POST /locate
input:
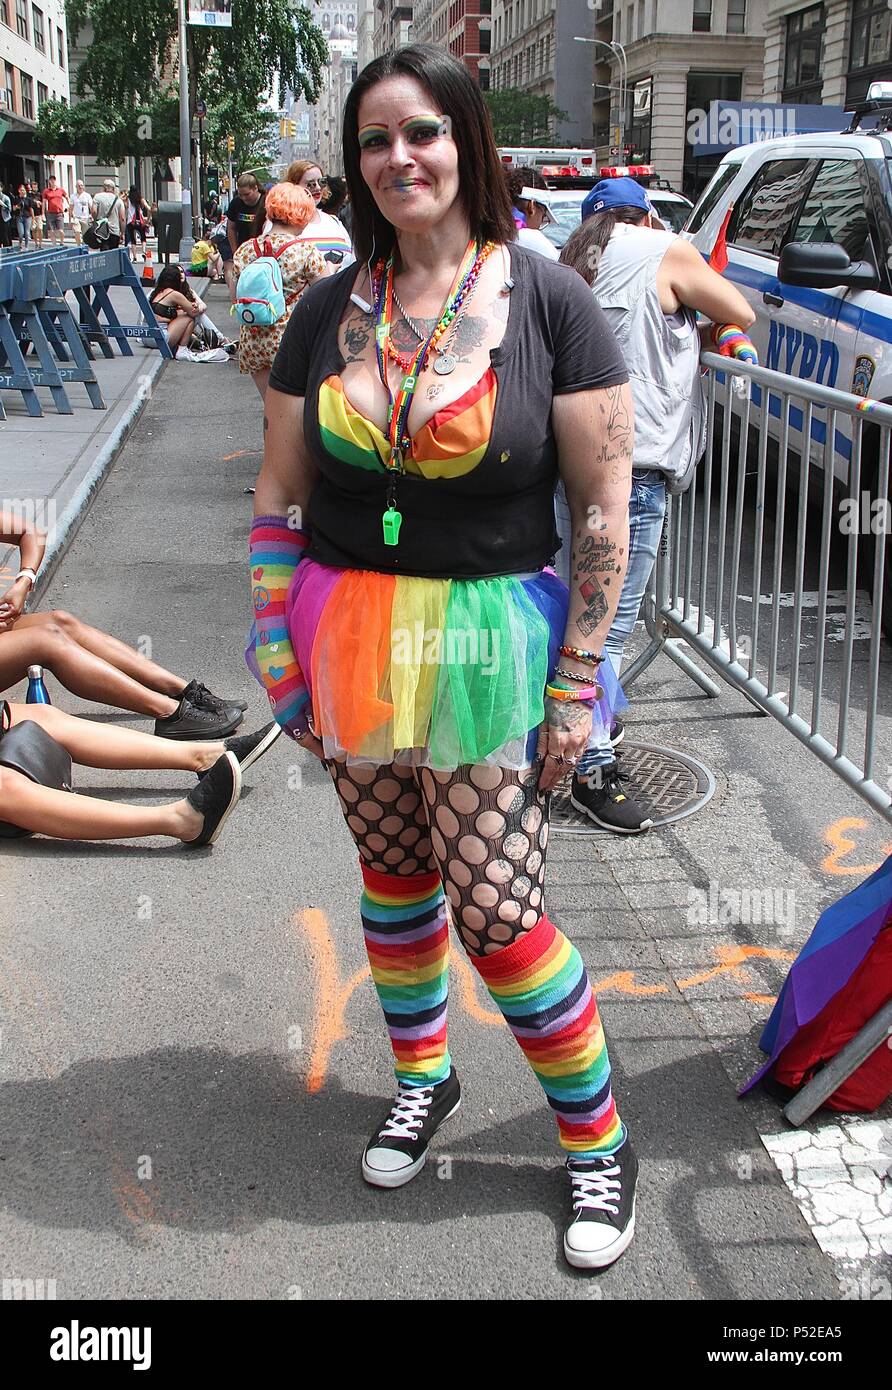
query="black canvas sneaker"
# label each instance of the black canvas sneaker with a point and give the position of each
(190, 721)
(249, 747)
(617, 732)
(602, 1193)
(398, 1150)
(198, 694)
(215, 798)
(600, 795)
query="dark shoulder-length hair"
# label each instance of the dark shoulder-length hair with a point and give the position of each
(454, 92)
(585, 247)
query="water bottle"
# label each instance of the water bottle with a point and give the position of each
(36, 689)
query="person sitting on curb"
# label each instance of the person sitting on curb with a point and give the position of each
(196, 820)
(95, 665)
(178, 308)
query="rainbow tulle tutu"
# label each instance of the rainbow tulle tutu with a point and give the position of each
(430, 672)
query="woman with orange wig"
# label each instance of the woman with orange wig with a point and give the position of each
(288, 210)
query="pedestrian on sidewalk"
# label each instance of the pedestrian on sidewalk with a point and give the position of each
(7, 222)
(196, 820)
(136, 221)
(55, 206)
(106, 231)
(326, 232)
(241, 216)
(650, 283)
(288, 211)
(36, 215)
(410, 639)
(93, 664)
(81, 210)
(23, 213)
(533, 216)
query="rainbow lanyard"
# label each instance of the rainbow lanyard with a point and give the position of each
(401, 400)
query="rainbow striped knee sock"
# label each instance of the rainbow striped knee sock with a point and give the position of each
(407, 939)
(542, 987)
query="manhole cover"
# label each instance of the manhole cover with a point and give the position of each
(670, 784)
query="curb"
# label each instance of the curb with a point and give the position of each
(67, 527)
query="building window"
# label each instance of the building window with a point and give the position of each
(702, 16)
(21, 18)
(871, 34)
(6, 12)
(60, 40)
(37, 26)
(27, 96)
(736, 16)
(42, 94)
(9, 86)
(803, 55)
(484, 79)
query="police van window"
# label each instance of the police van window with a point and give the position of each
(765, 211)
(723, 175)
(834, 209)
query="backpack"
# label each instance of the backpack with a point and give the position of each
(260, 291)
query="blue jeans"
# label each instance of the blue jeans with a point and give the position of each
(23, 229)
(647, 508)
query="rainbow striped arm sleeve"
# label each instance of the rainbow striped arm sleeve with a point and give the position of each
(276, 551)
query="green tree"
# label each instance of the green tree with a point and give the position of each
(523, 118)
(130, 72)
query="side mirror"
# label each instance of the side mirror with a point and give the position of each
(823, 266)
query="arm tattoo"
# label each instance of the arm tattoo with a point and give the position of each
(616, 445)
(565, 715)
(595, 606)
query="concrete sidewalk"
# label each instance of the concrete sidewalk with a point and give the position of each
(53, 466)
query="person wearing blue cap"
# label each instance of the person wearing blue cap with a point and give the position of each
(650, 284)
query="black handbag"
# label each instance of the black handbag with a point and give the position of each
(29, 749)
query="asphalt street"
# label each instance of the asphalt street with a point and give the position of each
(193, 1054)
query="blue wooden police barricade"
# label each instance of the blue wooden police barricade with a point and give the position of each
(34, 310)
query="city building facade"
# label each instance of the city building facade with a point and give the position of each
(534, 48)
(393, 26)
(826, 53)
(33, 68)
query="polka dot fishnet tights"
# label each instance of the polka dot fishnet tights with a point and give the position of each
(484, 828)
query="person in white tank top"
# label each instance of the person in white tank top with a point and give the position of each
(651, 284)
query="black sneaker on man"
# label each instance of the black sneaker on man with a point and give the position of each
(599, 795)
(398, 1150)
(249, 747)
(602, 1194)
(617, 732)
(190, 721)
(199, 695)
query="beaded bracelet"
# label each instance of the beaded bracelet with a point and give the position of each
(586, 694)
(591, 657)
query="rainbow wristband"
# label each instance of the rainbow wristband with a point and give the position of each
(731, 341)
(588, 692)
(276, 550)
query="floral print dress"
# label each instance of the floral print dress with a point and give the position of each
(301, 264)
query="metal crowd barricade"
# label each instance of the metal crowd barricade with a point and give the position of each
(35, 311)
(739, 528)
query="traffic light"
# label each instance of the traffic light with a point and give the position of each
(230, 143)
(292, 129)
(283, 129)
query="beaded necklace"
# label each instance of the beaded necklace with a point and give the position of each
(400, 401)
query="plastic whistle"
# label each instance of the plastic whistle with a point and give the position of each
(392, 520)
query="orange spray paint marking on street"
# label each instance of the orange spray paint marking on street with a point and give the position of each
(332, 997)
(837, 837)
(467, 982)
(731, 959)
(243, 454)
(624, 982)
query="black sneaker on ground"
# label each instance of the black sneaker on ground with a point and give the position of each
(602, 1193)
(249, 747)
(398, 1150)
(617, 732)
(190, 721)
(198, 694)
(215, 797)
(599, 795)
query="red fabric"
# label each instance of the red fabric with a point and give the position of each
(718, 257)
(866, 991)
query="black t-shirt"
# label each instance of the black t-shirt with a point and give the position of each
(497, 519)
(242, 217)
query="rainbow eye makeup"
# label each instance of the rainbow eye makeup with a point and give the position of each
(418, 128)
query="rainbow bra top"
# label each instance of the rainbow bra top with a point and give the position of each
(451, 444)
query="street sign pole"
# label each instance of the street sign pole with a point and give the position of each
(186, 241)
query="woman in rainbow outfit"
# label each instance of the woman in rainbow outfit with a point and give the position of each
(411, 634)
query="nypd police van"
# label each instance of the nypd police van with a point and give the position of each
(809, 245)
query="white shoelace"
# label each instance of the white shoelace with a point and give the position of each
(409, 1112)
(599, 1191)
